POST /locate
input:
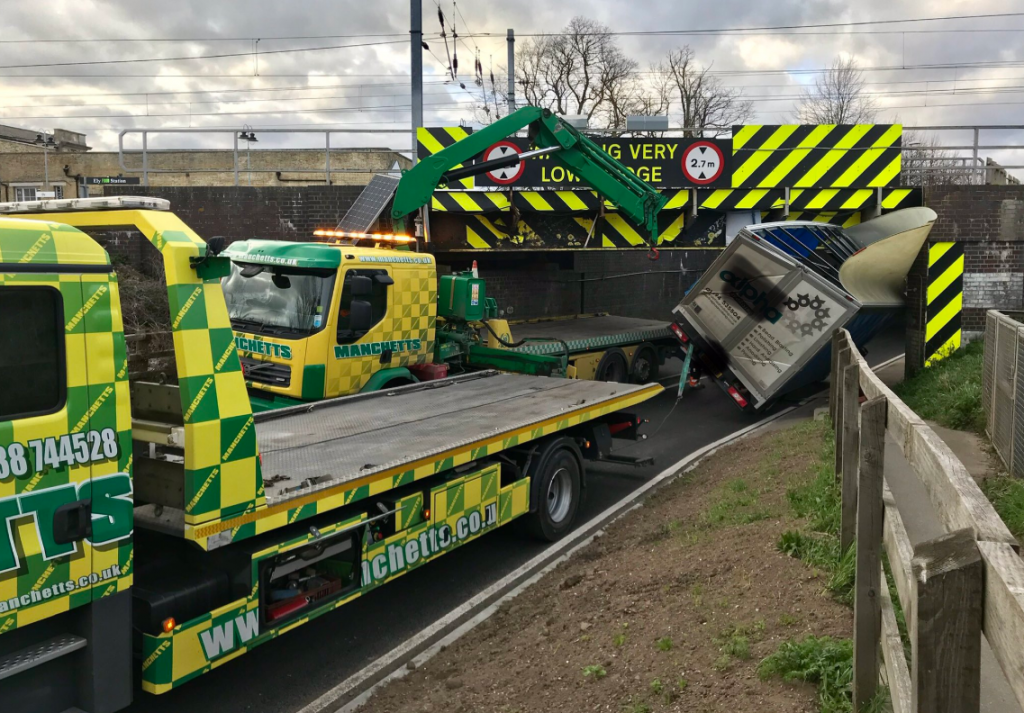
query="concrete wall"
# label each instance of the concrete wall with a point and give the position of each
(24, 164)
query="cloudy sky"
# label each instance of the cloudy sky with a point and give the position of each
(50, 77)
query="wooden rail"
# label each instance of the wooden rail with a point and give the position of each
(953, 588)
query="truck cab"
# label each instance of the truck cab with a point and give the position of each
(318, 320)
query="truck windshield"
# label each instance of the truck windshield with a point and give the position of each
(276, 300)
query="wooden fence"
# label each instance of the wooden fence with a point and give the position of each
(952, 589)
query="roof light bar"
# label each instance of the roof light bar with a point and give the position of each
(69, 205)
(380, 237)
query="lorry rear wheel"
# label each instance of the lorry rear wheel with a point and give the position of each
(557, 480)
(613, 367)
(644, 368)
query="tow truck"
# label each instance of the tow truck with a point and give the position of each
(303, 336)
(160, 529)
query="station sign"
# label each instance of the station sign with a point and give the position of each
(112, 181)
(664, 163)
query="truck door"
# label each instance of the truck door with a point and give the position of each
(45, 453)
(364, 333)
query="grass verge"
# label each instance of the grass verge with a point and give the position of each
(1007, 496)
(949, 392)
(823, 661)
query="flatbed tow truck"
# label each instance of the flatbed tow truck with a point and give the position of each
(300, 340)
(157, 531)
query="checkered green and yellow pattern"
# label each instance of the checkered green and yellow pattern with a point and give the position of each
(411, 315)
(317, 372)
(222, 474)
(171, 659)
(96, 399)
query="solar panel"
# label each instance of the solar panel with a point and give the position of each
(370, 204)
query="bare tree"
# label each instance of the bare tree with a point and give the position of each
(838, 97)
(707, 105)
(575, 71)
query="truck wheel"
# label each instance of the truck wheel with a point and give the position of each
(644, 368)
(557, 482)
(613, 367)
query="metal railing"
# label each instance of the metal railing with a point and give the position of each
(146, 169)
(1003, 388)
(926, 160)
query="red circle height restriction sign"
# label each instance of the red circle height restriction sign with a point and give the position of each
(703, 162)
(507, 174)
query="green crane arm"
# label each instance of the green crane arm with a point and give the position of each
(612, 181)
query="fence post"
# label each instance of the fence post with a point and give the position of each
(833, 375)
(837, 418)
(945, 626)
(850, 456)
(867, 603)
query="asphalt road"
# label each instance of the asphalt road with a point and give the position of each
(283, 675)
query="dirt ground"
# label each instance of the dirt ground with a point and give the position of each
(671, 610)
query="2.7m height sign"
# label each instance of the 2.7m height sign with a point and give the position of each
(664, 163)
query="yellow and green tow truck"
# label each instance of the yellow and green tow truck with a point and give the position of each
(357, 312)
(158, 529)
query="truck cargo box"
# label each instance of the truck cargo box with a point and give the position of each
(758, 316)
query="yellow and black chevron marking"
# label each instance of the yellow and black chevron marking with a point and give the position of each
(945, 300)
(808, 156)
(732, 199)
(431, 140)
(843, 219)
(469, 201)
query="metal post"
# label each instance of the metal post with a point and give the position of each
(511, 40)
(416, 52)
(46, 167)
(328, 162)
(977, 131)
(236, 158)
(145, 159)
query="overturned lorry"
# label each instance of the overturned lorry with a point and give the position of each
(760, 319)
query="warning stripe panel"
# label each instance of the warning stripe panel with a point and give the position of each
(469, 201)
(806, 156)
(430, 140)
(844, 219)
(725, 199)
(945, 298)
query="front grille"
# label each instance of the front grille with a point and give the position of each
(265, 372)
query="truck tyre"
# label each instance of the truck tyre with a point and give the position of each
(644, 367)
(556, 478)
(613, 367)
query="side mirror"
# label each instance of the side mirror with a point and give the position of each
(362, 286)
(216, 245)
(360, 315)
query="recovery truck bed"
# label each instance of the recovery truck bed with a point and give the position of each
(365, 437)
(589, 332)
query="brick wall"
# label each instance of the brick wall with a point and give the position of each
(526, 284)
(989, 220)
(272, 213)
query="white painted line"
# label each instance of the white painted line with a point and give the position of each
(514, 583)
(887, 362)
(543, 562)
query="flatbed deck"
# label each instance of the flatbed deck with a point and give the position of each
(315, 447)
(588, 333)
